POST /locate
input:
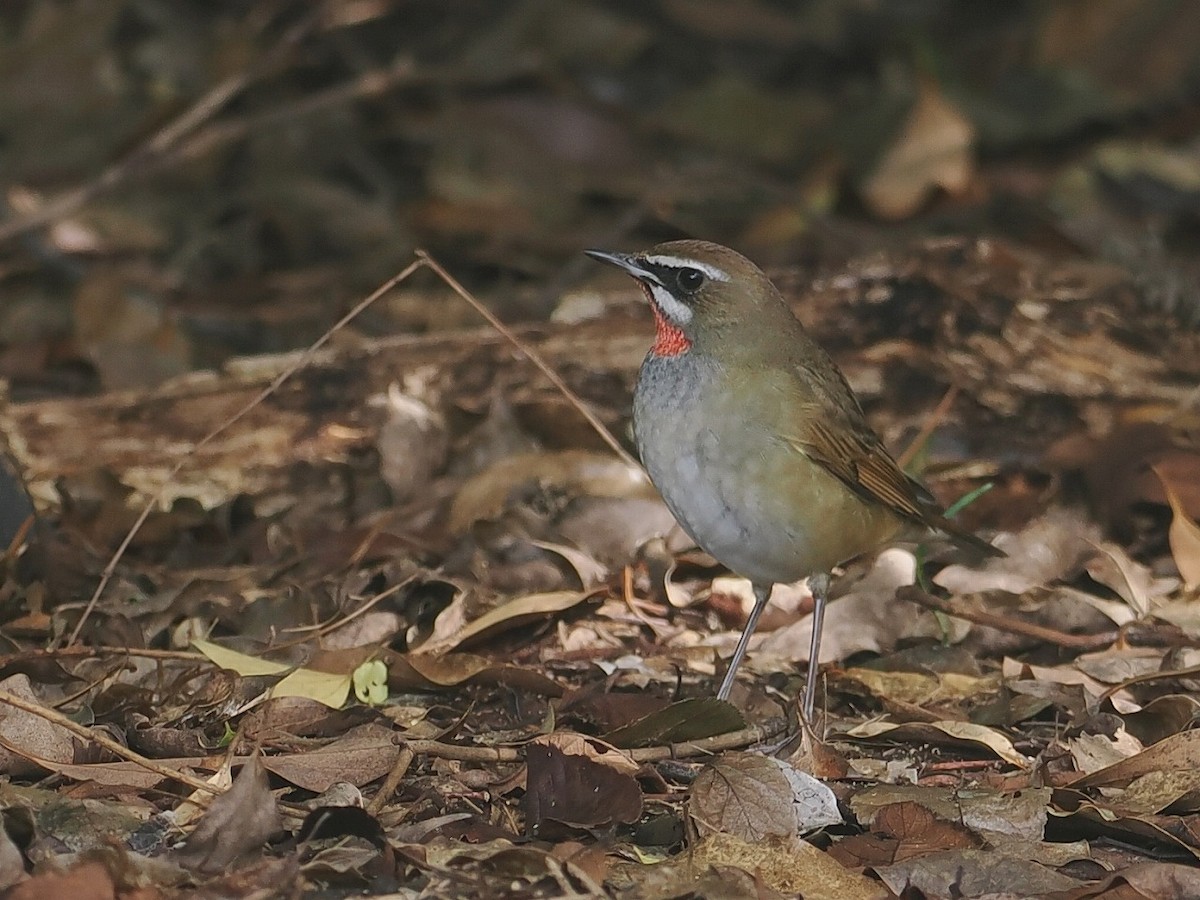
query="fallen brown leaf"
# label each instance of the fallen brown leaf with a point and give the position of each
(236, 824)
(1184, 536)
(753, 796)
(359, 757)
(563, 789)
(687, 720)
(789, 865)
(934, 148)
(25, 733)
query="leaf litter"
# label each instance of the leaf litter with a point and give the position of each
(393, 617)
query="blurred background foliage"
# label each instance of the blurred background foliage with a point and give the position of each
(185, 181)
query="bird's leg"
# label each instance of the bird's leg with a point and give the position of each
(762, 593)
(819, 585)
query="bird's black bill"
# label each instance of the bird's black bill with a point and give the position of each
(627, 263)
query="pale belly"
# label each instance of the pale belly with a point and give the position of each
(745, 496)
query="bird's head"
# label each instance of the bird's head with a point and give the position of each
(701, 293)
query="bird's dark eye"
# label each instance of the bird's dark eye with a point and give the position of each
(689, 279)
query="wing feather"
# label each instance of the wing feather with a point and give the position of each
(834, 433)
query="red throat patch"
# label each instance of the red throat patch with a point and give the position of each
(669, 339)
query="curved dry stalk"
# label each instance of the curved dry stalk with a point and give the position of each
(555, 379)
(95, 737)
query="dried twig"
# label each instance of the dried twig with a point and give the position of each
(681, 750)
(914, 594)
(95, 737)
(927, 427)
(554, 378)
(394, 777)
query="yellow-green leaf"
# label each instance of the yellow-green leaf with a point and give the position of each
(324, 687)
(241, 663)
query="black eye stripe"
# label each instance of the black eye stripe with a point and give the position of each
(681, 280)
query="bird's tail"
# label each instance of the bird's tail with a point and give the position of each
(964, 538)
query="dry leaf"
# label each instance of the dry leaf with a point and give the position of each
(753, 796)
(1093, 752)
(1179, 752)
(412, 440)
(973, 873)
(571, 790)
(359, 757)
(593, 748)
(1133, 582)
(513, 614)
(86, 881)
(12, 863)
(29, 739)
(237, 823)
(786, 864)
(901, 831)
(1046, 549)
(942, 733)
(867, 618)
(1184, 537)
(688, 720)
(933, 149)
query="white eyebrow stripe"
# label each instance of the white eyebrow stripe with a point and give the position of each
(678, 313)
(679, 262)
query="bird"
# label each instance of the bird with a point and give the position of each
(754, 438)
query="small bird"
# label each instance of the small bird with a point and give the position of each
(754, 438)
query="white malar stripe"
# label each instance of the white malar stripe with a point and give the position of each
(680, 262)
(677, 312)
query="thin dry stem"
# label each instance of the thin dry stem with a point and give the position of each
(681, 750)
(107, 743)
(931, 422)
(554, 378)
(914, 594)
(394, 777)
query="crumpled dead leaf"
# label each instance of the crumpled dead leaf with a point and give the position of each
(359, 757)
(867, 618)
(513, 614)
(786, 864)
(902, 831)
(1048, 548)
(237, 823)
(1133, 582)
(1178, 752)
(1184, 537)
(574, 744)
(933, 149)
(973, 873)
(954, 733)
